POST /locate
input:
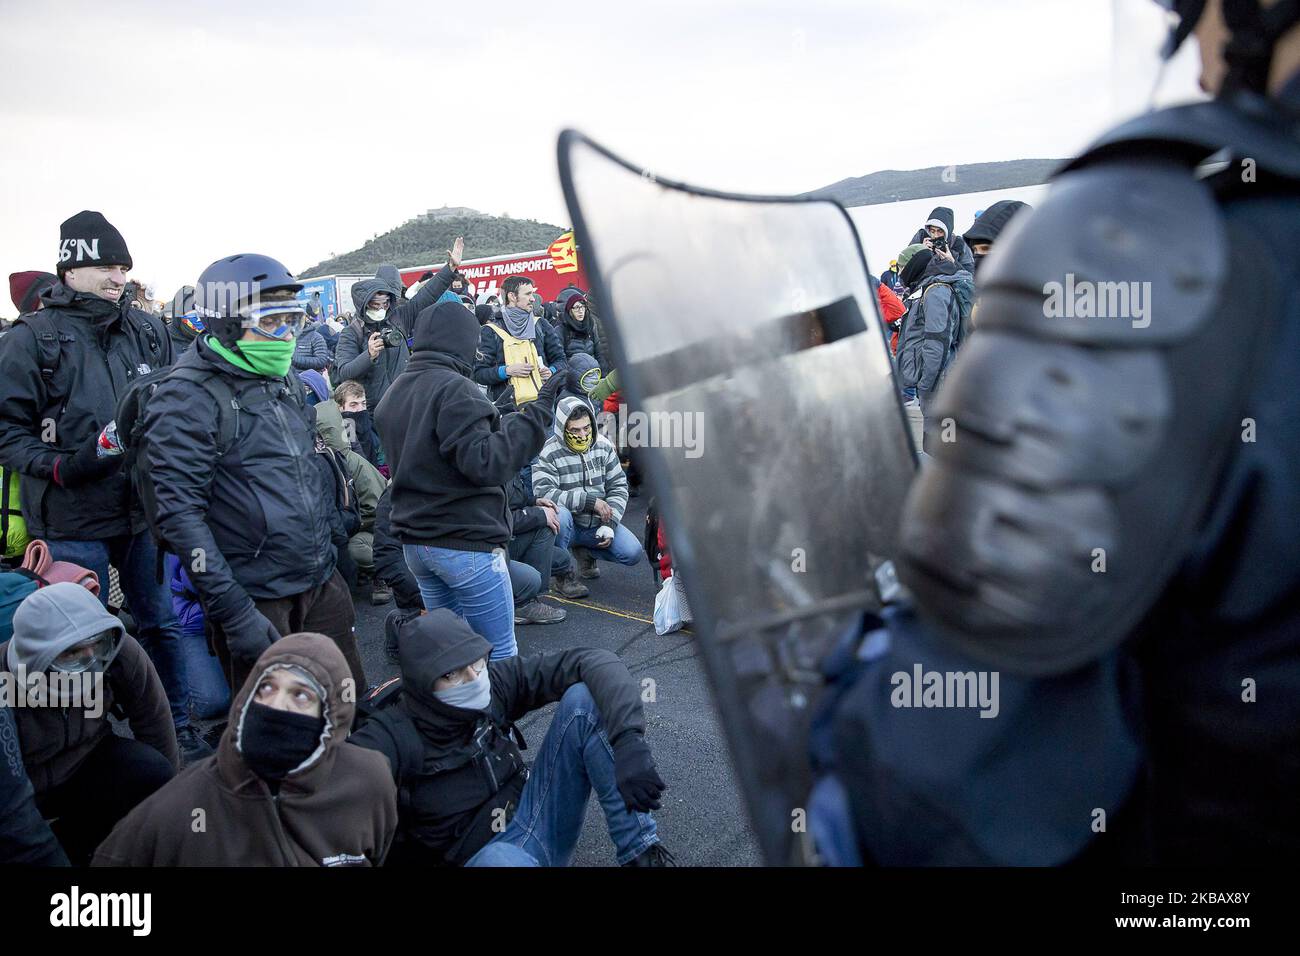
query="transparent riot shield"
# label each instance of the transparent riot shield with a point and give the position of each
(760, 394)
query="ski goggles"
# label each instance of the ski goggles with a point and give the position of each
(91, 655)
(291, 315)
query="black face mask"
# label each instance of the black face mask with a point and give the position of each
(274, 742)
(978, 260)
(361, 423)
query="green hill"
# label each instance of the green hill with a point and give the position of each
(893, 185)
(425, 239)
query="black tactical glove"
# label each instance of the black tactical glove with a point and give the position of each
(249, 633)
(634, 770)
(85, 466)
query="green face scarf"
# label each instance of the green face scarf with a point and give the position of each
(270, 358)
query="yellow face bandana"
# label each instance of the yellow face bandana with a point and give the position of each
(579, 445)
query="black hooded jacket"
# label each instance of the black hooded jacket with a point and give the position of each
(956, 244)
(450, 451)
(352, 359)
(470, 765)
(102, 348)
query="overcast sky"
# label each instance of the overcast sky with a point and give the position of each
(298, 130)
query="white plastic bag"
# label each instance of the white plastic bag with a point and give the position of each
(672, 611)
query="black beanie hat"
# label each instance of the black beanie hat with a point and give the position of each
(88, 239)
(989, 226)
(915, 267)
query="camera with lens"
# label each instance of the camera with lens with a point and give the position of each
(391, 336)
(940, 243)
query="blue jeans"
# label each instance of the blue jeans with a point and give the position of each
(474, 584)
(209, 692)
(136, 560)
(525, 583)
(625, 548)
(575, 759)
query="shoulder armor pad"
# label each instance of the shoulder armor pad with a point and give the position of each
(1117, 255)
(1078, 453)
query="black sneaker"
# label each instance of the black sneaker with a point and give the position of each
(535, 612)
(193, 747)
(380, 592)
(656, 855)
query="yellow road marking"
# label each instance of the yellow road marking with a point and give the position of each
(608, 610)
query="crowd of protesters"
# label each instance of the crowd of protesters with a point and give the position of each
(197, 494)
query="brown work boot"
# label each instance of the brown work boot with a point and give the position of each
(568, 586)
(586, 563)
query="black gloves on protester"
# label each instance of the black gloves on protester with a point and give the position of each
(634, 771)
(248, 634)
(86, 466)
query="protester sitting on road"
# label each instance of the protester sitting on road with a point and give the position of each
(579, 470)
(350, 398)
(78, 665)
(517, 351)
(368, 484)
(285, 787)
(452, 454)
(467, 796)
(535, 522)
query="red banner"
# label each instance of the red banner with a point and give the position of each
(486, 275)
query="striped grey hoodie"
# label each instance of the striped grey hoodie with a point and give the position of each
(575, 481)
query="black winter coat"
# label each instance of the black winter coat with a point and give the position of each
(352, 359)
(262, 513)
(103, 347)
(451, 452)
(450, 812)
(586, 337)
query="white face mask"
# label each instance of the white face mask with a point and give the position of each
(474, 694)
(376, 315)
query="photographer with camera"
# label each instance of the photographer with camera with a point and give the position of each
(937, 235)
(373, 347)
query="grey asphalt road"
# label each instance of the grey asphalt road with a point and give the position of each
(703, 821)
